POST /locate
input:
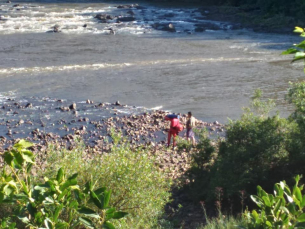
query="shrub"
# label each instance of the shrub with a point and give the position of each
(138, 186)
(283, 209)
(57, 202)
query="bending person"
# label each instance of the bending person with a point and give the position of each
(174, 130)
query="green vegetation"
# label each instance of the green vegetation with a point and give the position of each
(137, 185)
(284, 209)
(57, 202)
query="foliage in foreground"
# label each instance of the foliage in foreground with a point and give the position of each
(283, 209)
(58, 202)
(138, 185)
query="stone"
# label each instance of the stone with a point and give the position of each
(73, 106)
(29, 105)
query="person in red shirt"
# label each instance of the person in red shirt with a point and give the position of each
(174, 130)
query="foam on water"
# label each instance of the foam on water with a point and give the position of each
(4, 71)
(79, 18)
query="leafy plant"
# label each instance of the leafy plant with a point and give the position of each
(58, 202)
(283, 209)
(138, 185)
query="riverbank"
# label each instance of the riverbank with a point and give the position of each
(61, 124)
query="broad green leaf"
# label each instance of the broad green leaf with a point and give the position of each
(62, 225)
(96, 200)
(268, 224)
(25, 188)
(73, 204)
(298, 30)
(110, 211)
(108, 225)
(119, 215)
(88, 212)
(71, 181)
(28, 156)
(48, 223)
(266, 201)
(24, 219)
(291, 208)
(60, 175)
(290, 51)
(57, 212)
(105, 199)
(100, 191)
(8, 158)
(277, 206)
(254, 214)
(298, 56)
(303, 201)
(301, 218)
(257, 200)
(87, 222)
(289, 198)
(301, 45)
(23, 144)
(297, 193)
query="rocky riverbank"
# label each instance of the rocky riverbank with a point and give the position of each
(47, 121)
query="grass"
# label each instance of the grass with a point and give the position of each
(138, 186)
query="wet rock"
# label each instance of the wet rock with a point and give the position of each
(73, 106)
(29, 105)
(56, 29)
(125, 19)
(104, 17)
(64, 108)
(117, 103)
(85, 25)
(130, 12)
(16, 5)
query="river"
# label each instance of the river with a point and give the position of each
(212, 73)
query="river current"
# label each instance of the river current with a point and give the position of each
(208, 67)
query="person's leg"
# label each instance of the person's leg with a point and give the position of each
(174, 139)
(169, 135)
(193, 141)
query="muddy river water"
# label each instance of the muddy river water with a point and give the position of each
(211, 68)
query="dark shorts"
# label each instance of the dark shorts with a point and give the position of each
(190, 133)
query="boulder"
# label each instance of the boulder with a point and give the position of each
(72, 106)
(125, 19)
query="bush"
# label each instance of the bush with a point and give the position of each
(57, 202)
(138, 186)
(283, 209)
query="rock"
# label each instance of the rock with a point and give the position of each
(56, 29)
(117, 103)
(29, 105)
(130, 12)
(164, 27)
(111, 31)
(64, 108)
(73, 106)
(16, 5)
(125, 19)
(85, 25)
(125, 6)
(104, 17)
